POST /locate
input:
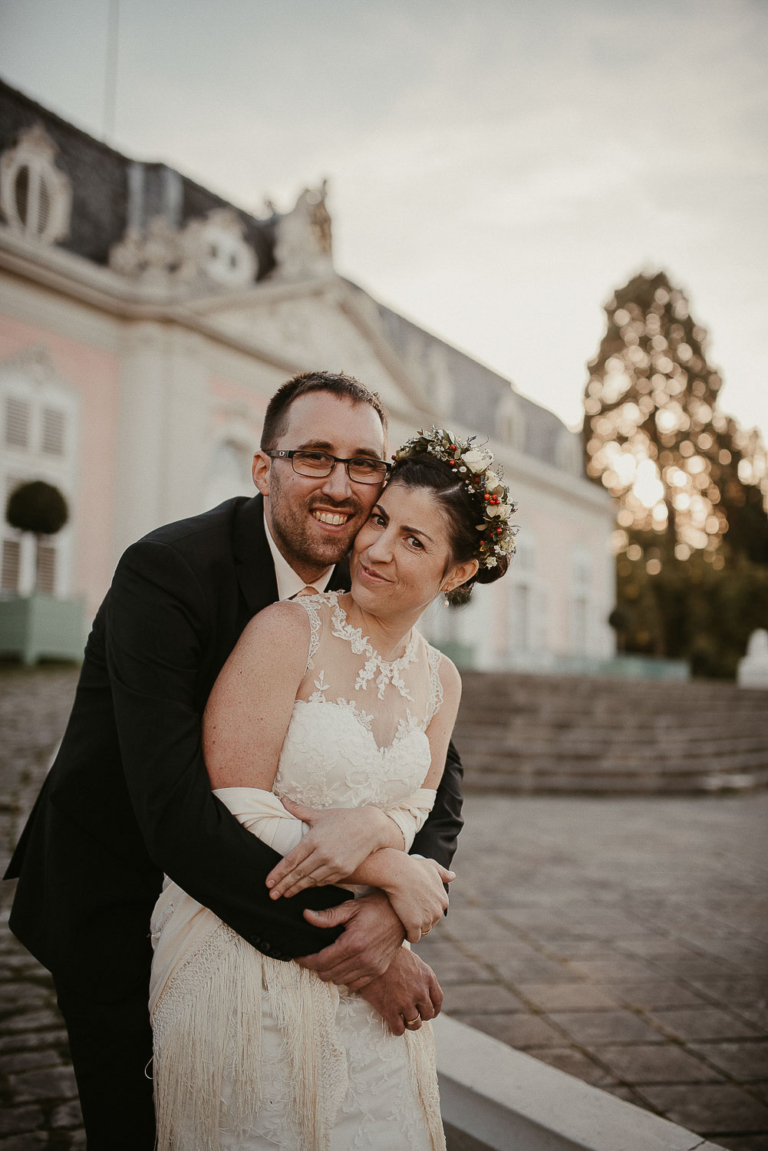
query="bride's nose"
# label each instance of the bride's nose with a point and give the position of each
(380, 551)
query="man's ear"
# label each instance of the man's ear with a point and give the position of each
(460, 574)
(260, 472)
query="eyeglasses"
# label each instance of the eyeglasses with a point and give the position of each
(360, 469)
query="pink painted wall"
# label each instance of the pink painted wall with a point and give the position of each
(94, 375)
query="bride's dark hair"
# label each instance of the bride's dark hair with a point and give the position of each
(460, 510)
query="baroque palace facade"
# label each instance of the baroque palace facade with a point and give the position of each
(144, 324)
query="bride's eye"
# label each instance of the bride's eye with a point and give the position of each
(416, 542)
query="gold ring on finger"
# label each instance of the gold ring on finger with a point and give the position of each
(411, 1022)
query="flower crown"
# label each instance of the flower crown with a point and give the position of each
(473, 465)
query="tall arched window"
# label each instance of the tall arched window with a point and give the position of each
(39, 418)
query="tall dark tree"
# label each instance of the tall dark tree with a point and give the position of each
(655, 438)
(691, 485)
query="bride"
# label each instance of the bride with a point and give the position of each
(332, 700)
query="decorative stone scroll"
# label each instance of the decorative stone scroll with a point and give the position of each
(35, 195)
(212, 250)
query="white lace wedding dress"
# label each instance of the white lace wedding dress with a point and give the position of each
(252, 1053)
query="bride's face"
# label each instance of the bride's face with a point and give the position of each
(401, 557)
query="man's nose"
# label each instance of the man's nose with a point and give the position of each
(338, 485)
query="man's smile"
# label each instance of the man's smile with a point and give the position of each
(335, 519)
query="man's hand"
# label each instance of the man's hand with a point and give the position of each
(407, 989)
(372, 938)
(338, 841)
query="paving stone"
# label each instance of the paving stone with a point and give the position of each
(567, 996)
(704, 1023)
(695, 967)
(574, 1062)
(744, 1142)
(25, 1142)
(579, 948)
(653, 945)
(21, 1042)
(481, 998)
(498, 951)
(594, 1027)
(470, 924)
(32, 1021)
(744, 1061)
(22, 1060)
(520, 1031)
(656, 1063)
(67, 1115)
(460, 971)
(735, 989)
(50, 1083)
(541, 970)
(16, 1120)
(652, 994)
(613, 970)
(712, 1108)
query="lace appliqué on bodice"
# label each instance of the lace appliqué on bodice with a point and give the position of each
(334, 755)
(389, 671)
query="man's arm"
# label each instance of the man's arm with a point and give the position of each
(156, 628)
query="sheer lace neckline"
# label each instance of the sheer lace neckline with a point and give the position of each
(389, 671)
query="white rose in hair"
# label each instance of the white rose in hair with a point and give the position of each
(503, 511)
(476, 461)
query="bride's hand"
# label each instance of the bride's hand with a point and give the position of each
(417, 894)
(338, 841)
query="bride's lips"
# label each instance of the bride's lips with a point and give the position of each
(372, 576)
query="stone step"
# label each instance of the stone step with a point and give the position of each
(627, 728)
(532, 733)
(679, 749)
(568, 783)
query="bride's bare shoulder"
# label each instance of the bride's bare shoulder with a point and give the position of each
(283, 622)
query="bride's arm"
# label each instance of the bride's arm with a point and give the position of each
(249, 708)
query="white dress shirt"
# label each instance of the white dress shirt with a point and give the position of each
(288, 582)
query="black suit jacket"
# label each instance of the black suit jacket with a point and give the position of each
(128, 796)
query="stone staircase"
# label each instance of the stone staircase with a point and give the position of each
(567, 734)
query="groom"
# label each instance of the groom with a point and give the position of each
(128, 797)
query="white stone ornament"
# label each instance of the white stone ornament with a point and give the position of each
(753, 668)
(35, 195)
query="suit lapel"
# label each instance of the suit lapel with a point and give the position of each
(253, 559)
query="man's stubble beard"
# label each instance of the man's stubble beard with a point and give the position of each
(292, 531)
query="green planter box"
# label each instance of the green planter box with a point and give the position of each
(41, 626)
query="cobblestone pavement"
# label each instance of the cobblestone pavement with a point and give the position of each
(622, 940)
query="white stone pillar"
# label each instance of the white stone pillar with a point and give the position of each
(142, 431)
(186, 453)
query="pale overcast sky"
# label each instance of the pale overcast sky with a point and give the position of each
(496, 167)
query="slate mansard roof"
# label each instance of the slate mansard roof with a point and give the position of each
(113, 196)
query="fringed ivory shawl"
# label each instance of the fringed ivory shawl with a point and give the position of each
(206, 1009)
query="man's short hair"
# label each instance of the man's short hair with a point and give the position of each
(338, 384)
